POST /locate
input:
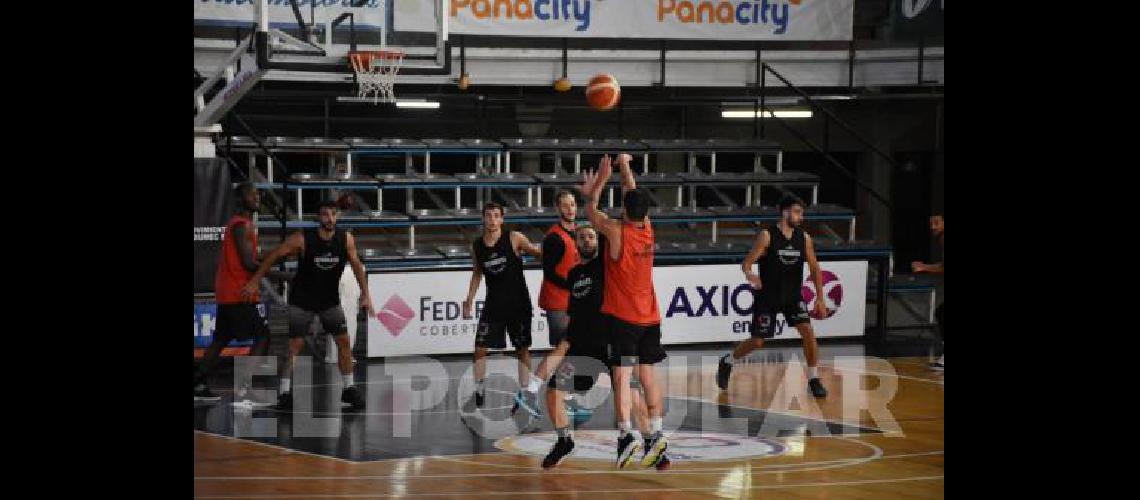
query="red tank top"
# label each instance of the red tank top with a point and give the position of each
(553, 298)
(629, 294)
(231, 276)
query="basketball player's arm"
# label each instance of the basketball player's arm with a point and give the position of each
(920, 267)
(627, 181)
(759, 248)
(552, 252)
(244, 248)
(294, 244)
(816, 276)
(523, 245)
(472, 287)
(358, 271)
(592, 188)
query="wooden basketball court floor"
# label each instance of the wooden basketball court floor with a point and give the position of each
(761, 438)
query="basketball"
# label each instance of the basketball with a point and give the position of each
(603, 92)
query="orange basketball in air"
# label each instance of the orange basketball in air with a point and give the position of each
(603, 92)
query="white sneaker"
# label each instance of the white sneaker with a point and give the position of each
(937, 365)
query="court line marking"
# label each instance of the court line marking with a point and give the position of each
(578, 492)
(844, 424)
(884, 374)
(876, 453)
(278, 447)
(564, 472)
(706, 470)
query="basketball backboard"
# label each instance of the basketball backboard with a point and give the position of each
(239, 44)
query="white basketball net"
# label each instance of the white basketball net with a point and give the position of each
(376, 73)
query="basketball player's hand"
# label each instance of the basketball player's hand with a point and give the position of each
(366, 304)
(754, 279)
(624, 159)
(605, 168)
(250, 288)
(589, 179)
(917, 266)
(820, 308)
(467, 305)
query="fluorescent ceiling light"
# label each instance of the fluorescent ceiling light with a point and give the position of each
(418, 104)
(741, 113)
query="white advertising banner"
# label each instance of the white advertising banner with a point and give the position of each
(653, 19)
(713, 303)
(421, 312)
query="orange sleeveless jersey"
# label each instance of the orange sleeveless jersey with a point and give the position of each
(231, 276)
(553, 298)
(629, 294)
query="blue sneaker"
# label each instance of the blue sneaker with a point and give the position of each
(577, 412)
(526, 401)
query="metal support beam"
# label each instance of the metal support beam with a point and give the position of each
(692, 189)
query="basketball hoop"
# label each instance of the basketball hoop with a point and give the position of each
(376, 73)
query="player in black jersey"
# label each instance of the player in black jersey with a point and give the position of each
(314, 291)
(507, 308)
(780, 255)
(585, 352)
(938, 231)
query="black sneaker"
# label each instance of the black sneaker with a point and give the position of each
(817, 389)
(663, 463)
(203, 393)
(655, 446)
(284, 402)
(479, 395)
(626, 447)
(527, 401)
(723, 372)
(351, 395)
(561, 449)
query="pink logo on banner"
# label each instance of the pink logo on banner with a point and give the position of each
(395, 315)
(832, 292)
